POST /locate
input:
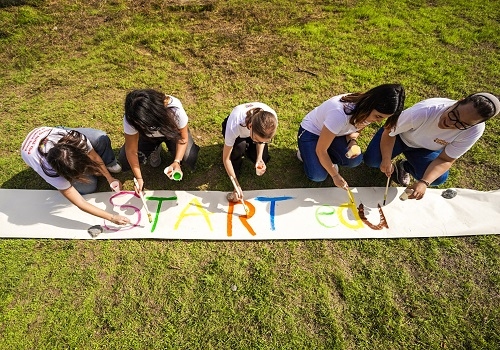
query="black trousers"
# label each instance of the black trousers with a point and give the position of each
(147, 145)
(244, 147)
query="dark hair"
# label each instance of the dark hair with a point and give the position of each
(145, 110)
(385, 98)
(263, 123)
(68, 158)
(483, 105)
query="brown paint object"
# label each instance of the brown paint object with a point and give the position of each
(382, 223)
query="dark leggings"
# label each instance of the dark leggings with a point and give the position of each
(146, 146)
(244, 147)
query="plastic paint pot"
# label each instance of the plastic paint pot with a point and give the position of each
(115, 186)
(172, 174)
(405, 194)
(259, 169)
(354, 151)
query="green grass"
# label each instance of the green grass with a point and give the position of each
(72, 63)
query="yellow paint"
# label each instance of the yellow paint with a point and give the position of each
(201, 211)
(343, 221)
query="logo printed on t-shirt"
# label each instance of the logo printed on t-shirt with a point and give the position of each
(441, 142)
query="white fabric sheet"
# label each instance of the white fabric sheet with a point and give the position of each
(322, 213)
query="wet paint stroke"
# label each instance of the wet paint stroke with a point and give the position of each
(380, 225)
(243, 218)
(326, 215)
(272, 209)
(201, 211)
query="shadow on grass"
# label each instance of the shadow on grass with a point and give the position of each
(283, 171)
(7, 3)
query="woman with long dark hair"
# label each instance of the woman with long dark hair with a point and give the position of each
(327, 135)
(71, 160)
(151, 118)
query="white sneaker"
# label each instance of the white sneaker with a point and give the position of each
(155, 158)
(299, 156)
(114, 168)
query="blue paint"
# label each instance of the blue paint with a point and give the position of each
(272, 210)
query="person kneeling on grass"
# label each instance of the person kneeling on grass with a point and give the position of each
(327, 135)
(70, 160)
(247, 131)
(151, 118)
(432, 135)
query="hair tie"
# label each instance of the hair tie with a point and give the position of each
(492, 98)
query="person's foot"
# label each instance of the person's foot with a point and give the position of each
(299, 157)
(400, 175)
(114, 168)
(155, 158)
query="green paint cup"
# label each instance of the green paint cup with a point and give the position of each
(176, 175)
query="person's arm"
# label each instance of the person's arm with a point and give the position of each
(226, 160)
(259, 162)
(76, 198)
(180, 149)
(436, 168)
(132, 154)
(386, 146)
(353, 149)
(325, 140)
(102, 167)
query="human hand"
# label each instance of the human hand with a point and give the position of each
(260, 167)
(386, 167)
(119, 220)
(138, 186)
(339, 181)
(419, 189)
(115, 185)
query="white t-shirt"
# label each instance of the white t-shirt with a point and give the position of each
(235, 126)
(181, 118)
(32, 157)
(418, 128)
(331, 114)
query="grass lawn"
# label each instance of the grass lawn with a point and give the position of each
(71, 62)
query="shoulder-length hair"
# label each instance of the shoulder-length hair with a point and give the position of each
(264, 123)
(145, 110)
(386, 99)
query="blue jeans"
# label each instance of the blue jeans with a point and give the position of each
(418, 159)
(102, 146)
(307, 142)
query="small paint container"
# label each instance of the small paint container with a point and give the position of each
(405, 194)
(259, 170)
(172, 174)
(354, 151)
(115, 186)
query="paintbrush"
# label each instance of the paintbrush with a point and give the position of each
(239, 193)
(387, 188)
(351, 197)
(143, 201)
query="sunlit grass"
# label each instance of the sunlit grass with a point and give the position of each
(72, 63)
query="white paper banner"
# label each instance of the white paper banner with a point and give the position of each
(321, 213)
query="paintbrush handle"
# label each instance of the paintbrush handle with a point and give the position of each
(386, 188)
(239, 194)
(142, 199)
(235, 186)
